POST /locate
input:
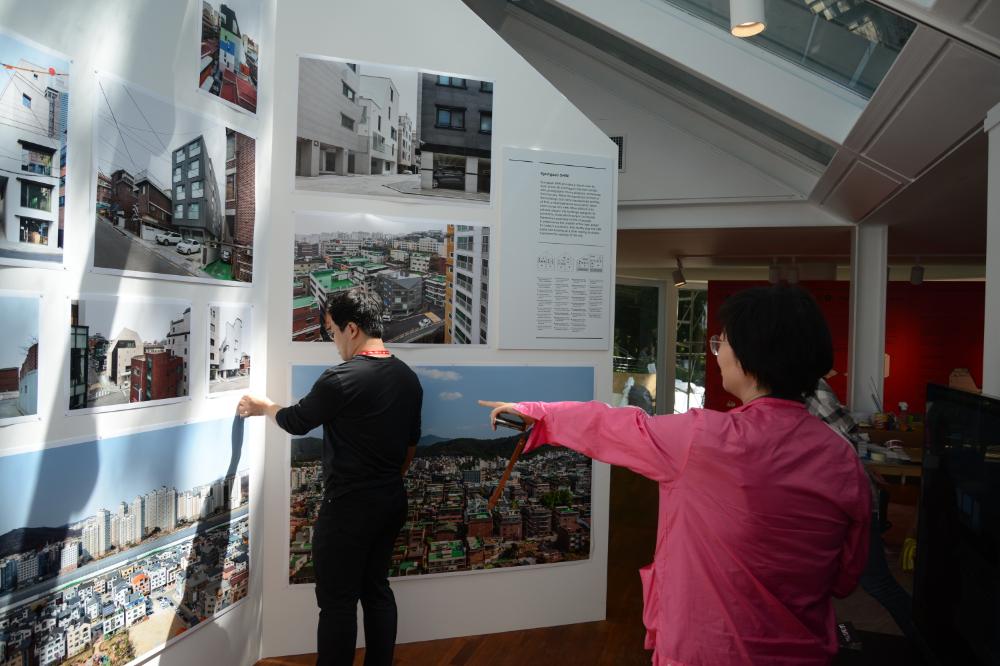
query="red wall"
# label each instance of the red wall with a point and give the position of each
(930, 330)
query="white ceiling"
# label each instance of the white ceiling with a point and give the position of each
(914, 158)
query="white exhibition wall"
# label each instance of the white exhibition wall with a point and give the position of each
(442, 36)
(154, 45)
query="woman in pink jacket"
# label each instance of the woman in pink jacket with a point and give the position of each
(764, 510)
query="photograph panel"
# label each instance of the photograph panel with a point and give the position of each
(34, 118)
(393, 132)
(432, 278)
(543, 516)
(125, 557)
(128, 351)
(175, 190)
(230, 51)
(230, 339)
(19, 357)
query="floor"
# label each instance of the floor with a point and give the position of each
(618, 640)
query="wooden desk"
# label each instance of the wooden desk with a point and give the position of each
(902, 470)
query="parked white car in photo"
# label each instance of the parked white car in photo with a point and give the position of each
(168, 238)
(189, 246)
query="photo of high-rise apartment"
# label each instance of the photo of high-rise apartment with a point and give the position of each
(174, 193)
(126, 351)
(34, 117)
(113, 566)
(229, 342)
(433, 279)
(19, 357)
(373, 130)
(230, 50)
(543, 516)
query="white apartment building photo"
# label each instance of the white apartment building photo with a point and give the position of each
(33, 106)
(378, 124)
(470, 302)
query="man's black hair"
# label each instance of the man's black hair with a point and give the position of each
(355, 306)
(780, 337)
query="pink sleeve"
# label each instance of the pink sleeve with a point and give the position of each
(655, 446)
(854, 554)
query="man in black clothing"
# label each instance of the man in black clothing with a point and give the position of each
(369, 407)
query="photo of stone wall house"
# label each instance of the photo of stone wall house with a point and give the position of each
(34, 117)
(182, 205)
(230, 51)
(125, 352)
(432, 279)
(373, 130)
(19, 356)
(229, 341)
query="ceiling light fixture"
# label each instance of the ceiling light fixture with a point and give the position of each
(679, 280)
(746, 17)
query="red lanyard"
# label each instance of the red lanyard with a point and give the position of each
(378, 353)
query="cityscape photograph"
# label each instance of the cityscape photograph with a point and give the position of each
(543, 516)
(19, 357)
(230, 50)
(229, 336)
(374, 130)
(34, 117)
(431, 278)
(125, 351)
(117, 564)
(174, 193)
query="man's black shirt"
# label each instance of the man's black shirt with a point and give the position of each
(369, 408)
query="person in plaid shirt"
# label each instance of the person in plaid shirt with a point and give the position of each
(877, 580)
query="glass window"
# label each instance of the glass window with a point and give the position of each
(346, 122)
(179, 192)
(34, 195)
(179, 211)
(451, 81)
(348, 92)
(230, 187)
(197, 189)
(179, 156)
(178, 173)
(852, 43)
(450, 117)
(25, 101)
(353, 66)
(636, 330)
(230, 145)
(194, 210)
(195, 149)
(194, 169)
(485, 122)
(486, 86)
(692, 318)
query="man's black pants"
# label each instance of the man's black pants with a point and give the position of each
(352, 550)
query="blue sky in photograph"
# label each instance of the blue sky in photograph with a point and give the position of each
(451, 392)
(149, 318)
(21, 329)
(65, 484)
(12, 50)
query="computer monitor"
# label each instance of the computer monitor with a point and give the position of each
(956, 586)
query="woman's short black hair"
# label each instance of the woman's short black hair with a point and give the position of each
(354, 305)
(779, 336)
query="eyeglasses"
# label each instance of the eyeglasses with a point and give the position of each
(714, 343)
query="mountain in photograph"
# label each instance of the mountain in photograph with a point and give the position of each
(307, 449)
(25, 539)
